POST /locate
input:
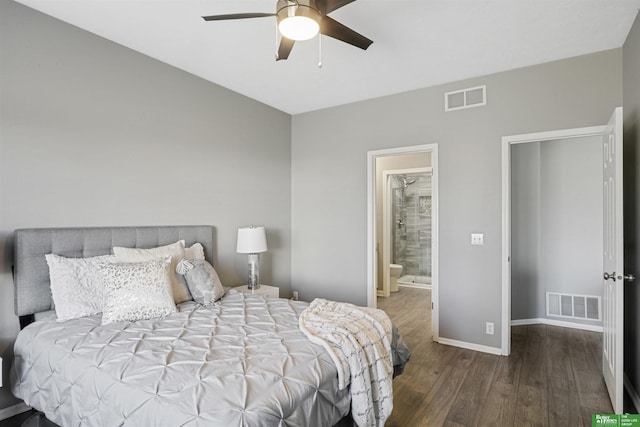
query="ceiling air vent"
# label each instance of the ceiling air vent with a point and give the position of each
(465, 98)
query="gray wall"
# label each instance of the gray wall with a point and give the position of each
(556, 223)
(527, 293)
(329, 178)
(94, 134)
(631, 73)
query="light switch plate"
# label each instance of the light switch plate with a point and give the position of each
(477, 239)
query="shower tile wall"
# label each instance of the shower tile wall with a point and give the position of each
(412, 225)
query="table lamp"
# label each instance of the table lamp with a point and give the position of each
(252, 240)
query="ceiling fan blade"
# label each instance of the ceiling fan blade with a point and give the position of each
(332, 28)
(285, 48)
(236, 16)
(328, 6)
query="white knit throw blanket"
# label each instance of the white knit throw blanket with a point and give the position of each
(359, 342)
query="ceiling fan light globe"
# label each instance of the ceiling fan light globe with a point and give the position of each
(298, 28)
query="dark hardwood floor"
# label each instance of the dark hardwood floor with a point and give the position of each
(27, 419)
(551, 378)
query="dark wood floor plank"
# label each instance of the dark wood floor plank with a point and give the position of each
(564, 408)
(582, 356)
(564, 405)
(559, 369)
(442, 396)
(594, 348)
(534, 358)
(467, 407)
(499, 406)
(592, 392)
(508, 369)
(531, 406)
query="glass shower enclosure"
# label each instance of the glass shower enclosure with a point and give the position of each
(411, 227)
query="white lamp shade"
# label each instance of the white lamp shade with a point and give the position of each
(251, 240)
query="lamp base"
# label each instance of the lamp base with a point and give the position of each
(254, 271)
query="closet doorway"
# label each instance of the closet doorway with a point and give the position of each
(410, 175)
(611, 275)
(518, 167)
(556, 233)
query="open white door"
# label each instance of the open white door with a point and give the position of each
(612, 337)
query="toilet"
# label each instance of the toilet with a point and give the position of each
(395, 272)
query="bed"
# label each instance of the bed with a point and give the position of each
(242, 361)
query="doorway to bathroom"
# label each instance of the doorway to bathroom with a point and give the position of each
(402, 225)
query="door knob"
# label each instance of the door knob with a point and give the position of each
(627, 277)
(608, 276)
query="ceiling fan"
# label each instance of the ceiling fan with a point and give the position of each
(301, 20)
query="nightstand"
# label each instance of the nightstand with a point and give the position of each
(264, 290)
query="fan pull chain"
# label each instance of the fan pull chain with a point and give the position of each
(319, 50)
(276, 54)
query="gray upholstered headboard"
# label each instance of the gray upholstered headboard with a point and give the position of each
(31, 273)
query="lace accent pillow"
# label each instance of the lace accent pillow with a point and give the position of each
(174, 250)
(202, 279)
(135, 291)
(76, 285)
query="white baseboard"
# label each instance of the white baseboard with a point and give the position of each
(542, 321)
(14, 410)
(470, 346)
(633, 393)
(410, 285)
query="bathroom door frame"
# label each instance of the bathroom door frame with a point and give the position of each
(386, 221)
(372, 262)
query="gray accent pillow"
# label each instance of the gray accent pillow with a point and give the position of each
(202, 280)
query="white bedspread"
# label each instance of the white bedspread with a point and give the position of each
(241, 362)
(358, 339)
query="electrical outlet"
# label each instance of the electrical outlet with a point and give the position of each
(477, 239)
(295, 296)
(489, 328)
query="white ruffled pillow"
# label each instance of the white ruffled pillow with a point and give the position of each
(174, 250)
(135, 291)
(76, 285)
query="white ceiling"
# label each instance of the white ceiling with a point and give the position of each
(416, 43)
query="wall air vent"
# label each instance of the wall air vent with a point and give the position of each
(586, 307)
(465, 98)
